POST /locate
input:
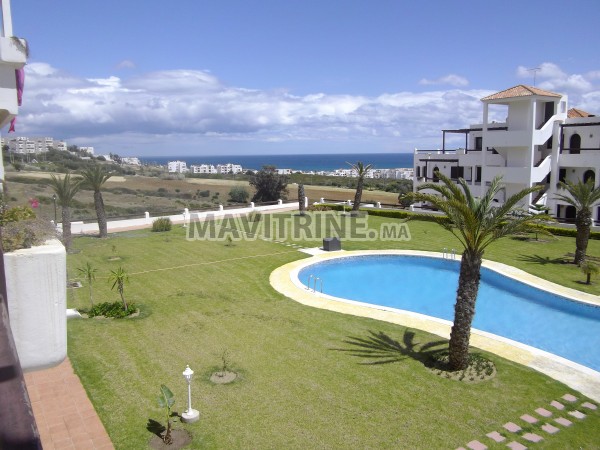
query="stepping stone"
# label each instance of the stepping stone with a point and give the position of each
(512, 427)
(529, 419)
(550, 429)
(516, 446)
(569, 398)
(495, 436)
(476, 445)
(532, 437)
(589, 405)
(564, 422)
(577, 414)
(543, 412)
(557, 405)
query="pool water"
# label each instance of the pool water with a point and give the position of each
(505, 307)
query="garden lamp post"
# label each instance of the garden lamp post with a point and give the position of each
(191, 415)
(54, 198)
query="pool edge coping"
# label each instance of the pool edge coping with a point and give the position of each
(284, 279)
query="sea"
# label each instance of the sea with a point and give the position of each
(305, 163)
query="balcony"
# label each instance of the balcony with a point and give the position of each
(588, 157)
(500, 138)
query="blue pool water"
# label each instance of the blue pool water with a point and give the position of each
(505, 307)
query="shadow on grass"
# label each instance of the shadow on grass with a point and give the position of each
(542, 260)
(155, 427)
(379, 348)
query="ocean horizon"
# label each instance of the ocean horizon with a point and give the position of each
(305, 163)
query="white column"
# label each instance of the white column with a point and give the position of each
(484, 134)
(6, 19)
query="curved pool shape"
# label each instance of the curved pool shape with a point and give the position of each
(505, 307)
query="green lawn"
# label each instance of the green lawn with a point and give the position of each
(295, 390)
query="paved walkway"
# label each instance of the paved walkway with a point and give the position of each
(64, 414)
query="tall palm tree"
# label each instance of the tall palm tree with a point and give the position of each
(583, 196)
(94, 177)
(476, 222)
(65, 189)
(362, 171)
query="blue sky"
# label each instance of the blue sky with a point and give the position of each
(196, 77)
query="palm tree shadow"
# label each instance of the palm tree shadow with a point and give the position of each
(379, 348)
(155, 427)
(542, 260)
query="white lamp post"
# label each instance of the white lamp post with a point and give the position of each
(191, 415)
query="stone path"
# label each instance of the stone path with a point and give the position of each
(64, 414)
(564, 412)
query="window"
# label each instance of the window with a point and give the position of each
(435, 171)
(457, 172)
(562, 175)
(575, 144)
(478, 143)
(589, 175)
(478, 174)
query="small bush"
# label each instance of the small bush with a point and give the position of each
(203, 193)
(238, 194)
(111, 310)
(162, 224)
(26, 234)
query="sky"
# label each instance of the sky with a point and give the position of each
(197, 77)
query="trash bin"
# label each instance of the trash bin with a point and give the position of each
(331, 244)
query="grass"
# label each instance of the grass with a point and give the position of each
(295, 390)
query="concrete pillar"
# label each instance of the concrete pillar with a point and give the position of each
(379, 204)
(306, 202)
(321, 200)
(251, 205)
(147, 216)
(220, 207)
(280, 202)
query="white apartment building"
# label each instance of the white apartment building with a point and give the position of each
(203, 169)
(131, 160)
(229, 168)
(31, 145)
(538, 142)
(88, 150)
(177, 167)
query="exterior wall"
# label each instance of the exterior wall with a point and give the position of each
(37, 303)
(177, 166)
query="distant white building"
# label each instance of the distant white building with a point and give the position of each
(229, 168)
(88, 150)
(203, 169)
(131, 160)
(177, 167)
(284, 171)
(31, 145)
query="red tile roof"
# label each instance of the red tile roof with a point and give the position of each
(520, 91)
(574, 112)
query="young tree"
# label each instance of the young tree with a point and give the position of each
(301, 195)
(269, 185)
(362, 171)
(65, 189)
(476, 222)
(94, 177)
(118, 278)
(589, 268)
(89, 272)
(583, 196)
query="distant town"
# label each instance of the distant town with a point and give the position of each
(31, 146)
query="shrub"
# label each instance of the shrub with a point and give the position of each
(162, 224)
(15, 214)
(26, 234)
(203, 193)
(238, 194)
(111, 310)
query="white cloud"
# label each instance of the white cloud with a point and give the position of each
(194, 111)
(551, 77)
(448, 80)
(126, 64)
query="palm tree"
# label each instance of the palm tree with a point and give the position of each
(582, 196)
(65, 189)
(94, 177)
(476, 222)
(89, 272)
(118, 278)
(362, 171)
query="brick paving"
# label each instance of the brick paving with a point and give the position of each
(64, 414)
(536, 430)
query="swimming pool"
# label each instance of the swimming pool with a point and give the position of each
(505, 307)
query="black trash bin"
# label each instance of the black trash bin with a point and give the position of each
(332, 244)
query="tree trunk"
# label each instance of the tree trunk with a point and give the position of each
(464, 309)
(583, 223)
(123, 298)
(589, 278)
(100, 214)
(66, 227)
(358, 195)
